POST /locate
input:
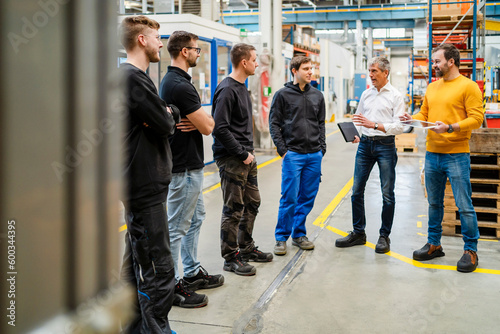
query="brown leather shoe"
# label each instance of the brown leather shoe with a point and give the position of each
(428, 252)
(468, 262)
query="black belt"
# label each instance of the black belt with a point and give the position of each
(378, 137)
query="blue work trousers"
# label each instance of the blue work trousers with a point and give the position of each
(300, 178)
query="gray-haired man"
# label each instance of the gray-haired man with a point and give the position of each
(378, 122)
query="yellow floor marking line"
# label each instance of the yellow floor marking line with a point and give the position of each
(331, 133)
(208, 173)
(320, 221)
(122, 228)
(419, 224)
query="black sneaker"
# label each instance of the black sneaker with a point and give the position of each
(239, 266)
(428, 252)
(352, 239)
(468, 262)
(383, 245)
(203, 280)
(183, 297)
(257, 256)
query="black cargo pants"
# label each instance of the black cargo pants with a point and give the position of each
(148, 267)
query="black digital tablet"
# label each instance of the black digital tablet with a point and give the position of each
(348, 130)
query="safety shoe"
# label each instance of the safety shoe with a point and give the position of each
(352, 239)
(383, 245)
(468, 262)
(239, 267)
(184, 297)
(203, 280)
(303, 243)
(280, 248)
(428, 252)
(256, 255)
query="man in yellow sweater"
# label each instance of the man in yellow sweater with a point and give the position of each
(455, 105)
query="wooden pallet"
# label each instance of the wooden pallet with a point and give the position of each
(458, 17)
(485, 231)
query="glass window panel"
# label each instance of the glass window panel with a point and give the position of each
(222, 63)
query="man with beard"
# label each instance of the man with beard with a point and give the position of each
(234, 155)
(147, 263)
(186, 210)
(454, 104)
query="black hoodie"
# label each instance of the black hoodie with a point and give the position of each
(148, 159)
(297, 119)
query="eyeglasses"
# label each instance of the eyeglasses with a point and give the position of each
(198, 50)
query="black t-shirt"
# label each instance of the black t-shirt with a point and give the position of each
(187, 147)
(232, 113)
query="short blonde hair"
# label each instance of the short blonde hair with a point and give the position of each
(133, 26)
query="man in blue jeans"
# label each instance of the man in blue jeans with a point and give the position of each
(186, 211)
(378, 119)
(297, 126)
(448, 155)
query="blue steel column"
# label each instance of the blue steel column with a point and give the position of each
(430, 41)
(474, 36)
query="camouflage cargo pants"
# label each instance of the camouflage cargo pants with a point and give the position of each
(240, 193)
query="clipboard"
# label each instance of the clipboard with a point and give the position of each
(348, 130)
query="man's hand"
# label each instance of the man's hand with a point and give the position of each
(356, 140)
(405, 117)
(249, 159)
(440, 127)
(361, 120)
(185, 125)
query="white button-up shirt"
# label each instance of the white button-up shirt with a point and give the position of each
(384, 106)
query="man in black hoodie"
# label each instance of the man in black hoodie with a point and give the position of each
(147, 263)
(297, 126)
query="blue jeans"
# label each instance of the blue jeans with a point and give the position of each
(382, 152)
(455, 167)
(300, 178)
(186, 213)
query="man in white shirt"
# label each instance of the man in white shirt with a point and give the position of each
(377, 118)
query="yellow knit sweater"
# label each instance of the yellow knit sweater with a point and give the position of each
(454, 101)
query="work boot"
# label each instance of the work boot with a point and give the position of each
(280, 248)
(256, 255)
(239, 266)
(468, 262)
(303, 243)
(352, 239)
(184, 297)
(383, 245)
(428, 252)
(203, 280)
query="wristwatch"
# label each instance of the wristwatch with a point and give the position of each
(375, 127)
(450, 129)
